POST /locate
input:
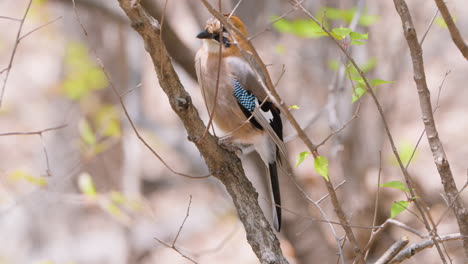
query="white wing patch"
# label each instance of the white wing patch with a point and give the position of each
(268, 114)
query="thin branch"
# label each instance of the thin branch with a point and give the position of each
(393, 251)
(37, 132)
(13, 53)
(355, 115)
(326, 195)
(454, 32)
(172, 245)
(39, 27)
(376, 208)
(429, 27)
(440, 158)
(183, 222)
(418, 247)
(10, 18)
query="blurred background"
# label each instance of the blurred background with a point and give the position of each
(91, 192)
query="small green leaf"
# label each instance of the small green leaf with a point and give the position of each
(86, 185)
(397, 208)
(358, 92)
(376, 82)
(341, 32)
(301, 157)
(293, 107)
(118, 197)
(395, 185)
(304, 28)
(321, 166)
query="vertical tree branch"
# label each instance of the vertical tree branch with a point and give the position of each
(454, 32)
(440, 159)
(224, 165)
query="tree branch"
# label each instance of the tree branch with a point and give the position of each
(224, 165)
(454, 32)
(393, 251)
(440, 159)
(415, 248)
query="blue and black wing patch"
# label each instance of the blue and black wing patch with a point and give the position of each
(247, 102)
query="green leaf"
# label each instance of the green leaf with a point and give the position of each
(304, 28)
(301, 157)
(397, 208)
(17, 175)
(358, 92)
(376, 82)
(86, 185)
(87, 133)
(321, 166)
(341, 32)
(395, 185)
(293, 107)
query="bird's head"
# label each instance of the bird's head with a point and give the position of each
(215, 34)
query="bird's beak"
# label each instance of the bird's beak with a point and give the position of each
(205, 35)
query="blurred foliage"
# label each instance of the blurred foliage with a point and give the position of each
(82, 75)
(114, 202)
(21, 175)
(346, 15)
(96, 134)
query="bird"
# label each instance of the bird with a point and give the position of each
(242, 108)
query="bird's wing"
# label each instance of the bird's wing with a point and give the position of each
(253, 100)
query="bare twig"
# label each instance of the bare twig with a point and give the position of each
(454, 32)
(415, 248)
(429, 27)
(336, 188)
(376, 207)
(440, 158)
(172, 245)
(39, 133)
(393, 251)
(39, 27)
(355, 115)
(13, 53)
(10, 18)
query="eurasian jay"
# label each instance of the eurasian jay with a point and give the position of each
(243, 109)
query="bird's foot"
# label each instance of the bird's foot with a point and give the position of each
(228, 145)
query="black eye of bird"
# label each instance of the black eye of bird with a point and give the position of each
(226, 42)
